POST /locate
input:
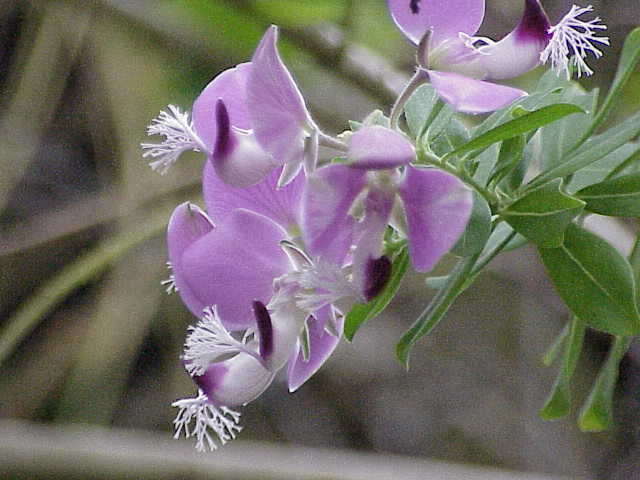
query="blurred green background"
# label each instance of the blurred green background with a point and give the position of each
(89, 341)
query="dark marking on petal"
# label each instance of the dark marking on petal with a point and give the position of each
(211, 380)
(378, 274)
(414, 5)
(223, 143)
(534, 22)
(265, 328)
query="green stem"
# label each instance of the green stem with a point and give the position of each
(430, 159)
(417, 79)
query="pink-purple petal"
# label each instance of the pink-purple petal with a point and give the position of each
(234, 382)
(280, 205)
(230, 86)
(519, 51)
(187, 225)
(472, 96)
(376, 147)
(437, 207)
(327, 227)
(446, 18)
(321, 346)
(287, 322)
(366, 258)
(277, 110)
(234, 265)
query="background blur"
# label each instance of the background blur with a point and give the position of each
(89, 338)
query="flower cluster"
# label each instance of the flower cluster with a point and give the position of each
(289, 243)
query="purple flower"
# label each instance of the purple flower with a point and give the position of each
(248, 120)
(431, 206)
(263, 303)
(459, 64)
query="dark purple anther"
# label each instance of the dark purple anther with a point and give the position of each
(224, 140)
(414, 5)
(378, 274)
(265, 328)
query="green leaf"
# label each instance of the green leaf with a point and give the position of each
(361, 313)
(478, 229)
(437, 282)
(420, 109)
(543, 214)
(518, 126)
(592, 150)
(454, 135)
(377, 117)
(595, 281)
(554, 350)
(558, 402)
(550, 81)
(498, 236)
(436, 309)
(615, 162)
(558, 139)
(511, 152)
(529, 103)
(597, 412)
(628, 60)
(618, 197)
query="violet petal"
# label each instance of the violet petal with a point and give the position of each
(277, 110)
(468, 95)
(280, 205)
(234, 382)
(188, 224)
(237, 158)
(321, 346)
(437, 206)
(327, 227)
(446, 18)
(377, 147)
(234, 265)
(377, 210)
(230, 86)
(520, 50)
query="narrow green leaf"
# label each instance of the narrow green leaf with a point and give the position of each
(419, 108)
(628, 60)
(520, 125)
(558, 402)
(609, 166)
(592, 150)
(543, 214)
(558, 139)
(453, 136)
(595, 281)
(436, 309)
(499, 234)
(530, 102)
(478, 229)
(361, 313)
(618, 197)
(551, 81)
(597, 412)
(554, 350)
(511, 152)
(436, 283)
